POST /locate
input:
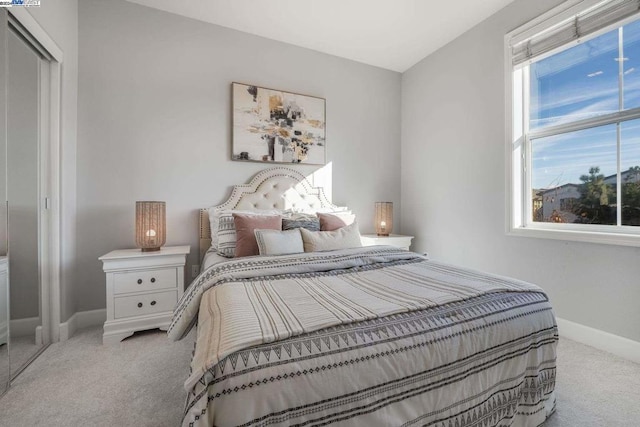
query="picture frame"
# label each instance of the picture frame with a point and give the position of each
(276, 126)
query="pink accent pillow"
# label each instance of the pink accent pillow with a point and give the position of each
(332, 222)
(246, 244)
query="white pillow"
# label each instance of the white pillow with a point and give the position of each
(276, 242)
(214, 220)
(342, 238)
(225, 234)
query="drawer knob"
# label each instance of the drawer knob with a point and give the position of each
(153, 303)
(139, 281)
(153, 280)
(139, 304)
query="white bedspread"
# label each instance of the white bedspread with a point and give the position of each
(212, 258)
(257, 300)
(482, 352)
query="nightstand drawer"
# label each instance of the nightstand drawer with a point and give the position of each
(139, 305)
(145, 280)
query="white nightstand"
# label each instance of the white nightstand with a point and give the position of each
(403, 242)
(142, 289)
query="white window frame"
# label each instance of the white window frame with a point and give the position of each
(519, 209)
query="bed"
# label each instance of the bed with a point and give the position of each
(373, 336)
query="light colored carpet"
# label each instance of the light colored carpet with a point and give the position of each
(22, 349)
(139, 383)
(595, 388)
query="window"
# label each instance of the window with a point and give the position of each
(574, 139)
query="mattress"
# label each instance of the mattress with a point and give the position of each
(368, 336)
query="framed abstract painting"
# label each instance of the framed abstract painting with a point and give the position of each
(275, 126)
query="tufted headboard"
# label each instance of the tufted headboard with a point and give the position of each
(273, 188)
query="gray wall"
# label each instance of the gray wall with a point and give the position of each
(155, 123)
(453, 183)
(22, 178)
(59, 19)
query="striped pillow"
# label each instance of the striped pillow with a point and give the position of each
(226, 235)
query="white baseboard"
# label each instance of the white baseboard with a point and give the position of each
(68, 328)
(24, 327)
(82, 319)
(615, 344)
(39, 335)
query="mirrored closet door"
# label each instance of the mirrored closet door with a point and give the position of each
(25, 78)
(25, 106)
(5, 370)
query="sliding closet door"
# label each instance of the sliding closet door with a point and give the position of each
(23, 135)
(5, 372)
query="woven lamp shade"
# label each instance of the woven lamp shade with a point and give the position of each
(151, 225)
(384, 218)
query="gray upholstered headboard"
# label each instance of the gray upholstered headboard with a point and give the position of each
(273, 188)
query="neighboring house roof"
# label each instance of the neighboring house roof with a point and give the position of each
(608, 180)
(559, 188)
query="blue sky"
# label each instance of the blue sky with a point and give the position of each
(579, 83)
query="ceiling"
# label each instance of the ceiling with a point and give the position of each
(392, 34)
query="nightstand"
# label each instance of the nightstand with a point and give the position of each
(402, 242)
(142, 289)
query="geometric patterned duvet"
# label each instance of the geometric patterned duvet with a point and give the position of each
(486, 360)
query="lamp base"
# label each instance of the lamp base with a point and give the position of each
(383, 235)
(150, 249)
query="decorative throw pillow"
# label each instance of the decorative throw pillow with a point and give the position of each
(245, 225)
(214, 220)
(275, 242)
(336, 220)
(226, 235)
(223, 231)
(311, 223)
(301, 216)
(342, 238)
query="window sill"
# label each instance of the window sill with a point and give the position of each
(602, 237)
